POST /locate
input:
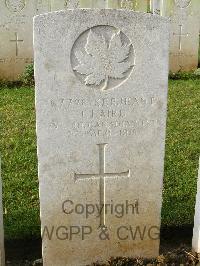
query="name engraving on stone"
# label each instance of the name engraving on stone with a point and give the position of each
(181, 54)
(102, 175)
(16, 60)
(14, 22)
(106, 60)
(106, 116)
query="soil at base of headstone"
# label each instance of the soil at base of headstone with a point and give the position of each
(179, 257)
(175, 250)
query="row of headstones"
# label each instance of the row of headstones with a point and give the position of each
(16, 29)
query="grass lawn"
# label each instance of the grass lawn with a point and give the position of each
(19, 161)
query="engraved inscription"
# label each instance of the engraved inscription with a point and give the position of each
(102, 175)
(15, 5)
(182, 3)
(16, 40)
(180, 35)
(106, 60)
(109, 116)
(16, 60)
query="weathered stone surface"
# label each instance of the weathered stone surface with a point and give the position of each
(93, 3)
(196, 229)
(15, 37)
(184, 40)
(72, 4)
(16, 32)
(101, 101)
(2, 258)
(137, 5)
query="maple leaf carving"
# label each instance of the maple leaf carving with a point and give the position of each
(102, 61)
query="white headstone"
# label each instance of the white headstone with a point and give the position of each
(16, 41)
(137, 5)
(93, 3)
(2, 257)
(16, 38)
(127, 4)
(196, 229)
(156, 6)
(184, 40)
(72, 4)
(101, 101)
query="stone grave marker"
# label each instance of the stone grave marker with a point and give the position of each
(72, 4)
(55, 5)
(93, 3)
(137, 5)
(156, 6)
(196, 229)
(15, 37)
(184, 40)
(2, 258)
(16, 41)
(101, 101)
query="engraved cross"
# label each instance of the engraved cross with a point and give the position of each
(102, 175)
(16, 43)
(181, 34)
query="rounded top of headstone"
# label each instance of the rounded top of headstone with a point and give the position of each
(182, 3)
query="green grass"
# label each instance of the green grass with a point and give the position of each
(182, 152)
(19, 162)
